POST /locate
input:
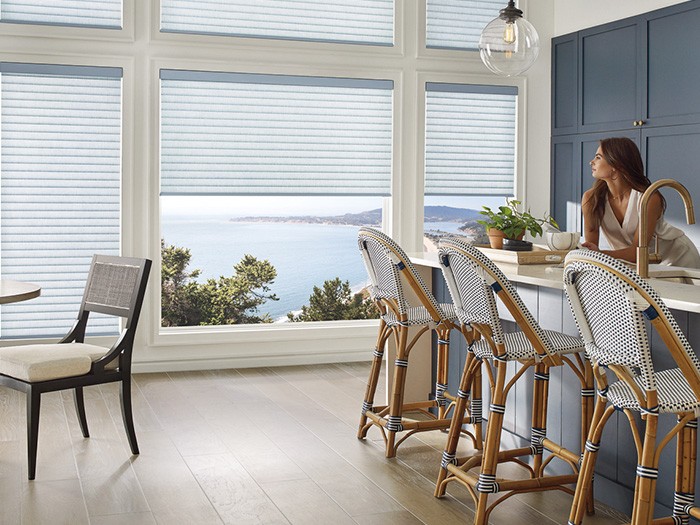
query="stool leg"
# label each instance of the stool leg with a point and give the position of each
(587, 408)
(590, 453)
(647, 472)
(373, 380)
(487, 477)
(540, 392)
(686, 455)
(476, 402)
(443, 354)
(397, 393)
(453, 435)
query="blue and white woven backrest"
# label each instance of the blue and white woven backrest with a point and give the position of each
(610, 313)
(471, 278)
(383, 259)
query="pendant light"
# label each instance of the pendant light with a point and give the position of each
(509, 44)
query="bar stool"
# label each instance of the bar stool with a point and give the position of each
(599, 288)
(474, 283)
(390, 270)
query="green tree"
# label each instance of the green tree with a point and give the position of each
(226, 300)
(333, 302)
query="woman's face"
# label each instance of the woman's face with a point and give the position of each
(600, 169)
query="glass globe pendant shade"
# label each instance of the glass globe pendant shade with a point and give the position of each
(509, 44)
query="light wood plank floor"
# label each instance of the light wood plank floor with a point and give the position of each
(268, 445)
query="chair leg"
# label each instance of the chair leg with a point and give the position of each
(443, 355)
(127, 414)
(540, 395)
(487, 476)
(80, 410)
(373, 381)
(33, 407)
(453, 435)
(686, 457)
(590, 453)
(647, 472)
(397, 393)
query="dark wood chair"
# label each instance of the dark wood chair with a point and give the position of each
(115, 286)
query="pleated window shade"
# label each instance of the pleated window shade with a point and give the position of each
(359, 21)
(458, 23)
(60, 166)
(470, 140)
(242, 134)
(90, 13)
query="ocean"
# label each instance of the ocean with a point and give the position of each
(304, 255)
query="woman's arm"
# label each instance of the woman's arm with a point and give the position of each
(591, 229)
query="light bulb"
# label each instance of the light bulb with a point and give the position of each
(509, 33)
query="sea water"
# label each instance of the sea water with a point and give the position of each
(304, 255)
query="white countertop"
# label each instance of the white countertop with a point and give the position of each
(684, 297)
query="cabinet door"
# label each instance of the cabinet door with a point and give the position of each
(673, 69)
(672, 153)
(566, 181)
(610, 83)
(564, 85)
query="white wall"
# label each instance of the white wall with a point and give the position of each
(572, 15)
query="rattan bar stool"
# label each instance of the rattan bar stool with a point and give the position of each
(600, 287)
(474, 283)
(392, 274)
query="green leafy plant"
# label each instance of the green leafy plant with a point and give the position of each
(512, 222)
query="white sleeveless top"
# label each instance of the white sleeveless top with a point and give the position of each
(675, 247)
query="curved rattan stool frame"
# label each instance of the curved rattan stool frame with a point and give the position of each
(596, 280)
(470, 275)
(389, 268)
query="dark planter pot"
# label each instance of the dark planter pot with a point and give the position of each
(516, 245)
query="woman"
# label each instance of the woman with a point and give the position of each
(611, 206)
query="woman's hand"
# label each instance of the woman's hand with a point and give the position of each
(590, 246)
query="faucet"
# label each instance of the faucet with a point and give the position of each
(642, 247)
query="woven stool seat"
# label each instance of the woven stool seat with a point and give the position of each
(393, 276)
(476, 284)
(419, 315)
(599, 289)
(518, 346)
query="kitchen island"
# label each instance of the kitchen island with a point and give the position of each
(541, 288)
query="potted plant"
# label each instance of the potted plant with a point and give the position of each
(510, 223)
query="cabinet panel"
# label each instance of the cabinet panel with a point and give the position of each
(609, 80)
(565, 182)
(673, 152)
(564, 85)
(673, 72)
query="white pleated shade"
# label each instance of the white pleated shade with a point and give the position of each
(458, 23)
(92, 13)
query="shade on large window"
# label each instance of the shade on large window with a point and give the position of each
(91, 13)
(458, 23)
(60, 160)
(470, 140)
(240, 134)
(359, 21)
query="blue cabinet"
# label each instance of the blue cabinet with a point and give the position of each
(636, 78)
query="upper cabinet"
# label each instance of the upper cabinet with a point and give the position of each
(610, 81)
(628, 74)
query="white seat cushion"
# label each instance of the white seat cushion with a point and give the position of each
(674, 393)
(43, 362)
(518, 346)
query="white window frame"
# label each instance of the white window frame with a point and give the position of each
(141, 50)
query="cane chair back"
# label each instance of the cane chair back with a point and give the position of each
(390, 270)
(474, 282)
(601, 288)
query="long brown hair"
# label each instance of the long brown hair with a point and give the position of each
(623, 155)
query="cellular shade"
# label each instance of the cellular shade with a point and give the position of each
(233, 134)
(458, 23)
(470, 140)
(359, 21)
(91, 13)
(60, 153)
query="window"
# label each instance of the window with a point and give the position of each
(359, 22)
(60, 159)
(89, 13)
(458, 23)
(469, 154)
(282, 168)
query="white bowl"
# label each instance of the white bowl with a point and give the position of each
(562, 240)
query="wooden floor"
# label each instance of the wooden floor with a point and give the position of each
(270, 446)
